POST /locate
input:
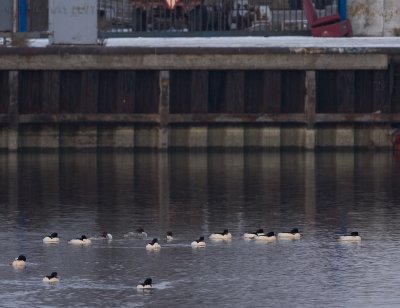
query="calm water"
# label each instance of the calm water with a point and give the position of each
(323, 195)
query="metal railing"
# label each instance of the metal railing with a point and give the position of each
(206, 17)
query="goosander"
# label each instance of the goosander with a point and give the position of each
(140, 232)
(353, 237)
(106, 236)
(19, 262)
(169, 236)
(252, 235)
(199, 243)
(52, 278)
(83, 240)
(52, 239)
(147, 284)
(153, 245)
(225, 235)
(292, 235)
(269, 237)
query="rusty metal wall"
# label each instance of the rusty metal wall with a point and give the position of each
(4, 92)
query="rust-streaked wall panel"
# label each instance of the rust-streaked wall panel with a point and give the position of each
(4, 92)
(30, 92)
(147, 92)
(70, 91)
(199, 92)
(180, 86)
(89, 91)
(50, 92)
(364, 98)
(293, 91)
(345, 81)
(326, 93)
(216, 82)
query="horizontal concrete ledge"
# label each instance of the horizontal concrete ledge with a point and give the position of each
(200, 118)
(239, 61)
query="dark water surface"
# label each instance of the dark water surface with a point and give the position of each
(324, 195)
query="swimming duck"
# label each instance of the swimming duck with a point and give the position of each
(224, 235)
(169, 236)
(269, 237)
(353, 237)
(83, 240)
(147, 284)
(19, 262)
(153, 245)
(252, 235)
(199, 243)
(52, 278)
(106, 236)
(140, 232)
(292, 235)
(52, 239)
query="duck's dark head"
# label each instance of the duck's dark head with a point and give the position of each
(225, 232)
(104, 235)
(148, 282)
(53, 235)
(21, 258)
(140, 230)
(53, 275)
(260, 231)
(83, 237)
(154, 241)
(169, 233)
(354, 233)
(294, 231)
(269, 234)
(201, 239)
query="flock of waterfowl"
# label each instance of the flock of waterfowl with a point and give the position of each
(225, 235)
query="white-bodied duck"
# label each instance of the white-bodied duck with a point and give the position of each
(52, 239)
(106, 236)
(52, 278)
(269, 237)
(292, 235)
(146, 285)
(169, 236)
(252, 235)
(19, 262)
(224, 235)
(153, 245)
(353, 237)
(199, 243)
(83, 240)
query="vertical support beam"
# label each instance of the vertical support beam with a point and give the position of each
(309, 108)
(163, 133)
(13, 111)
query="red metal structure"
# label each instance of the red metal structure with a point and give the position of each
(327, 26)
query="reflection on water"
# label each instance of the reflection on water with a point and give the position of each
(324, 195)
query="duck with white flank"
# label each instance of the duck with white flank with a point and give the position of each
(147, 284)
(19, 262)
(224, 235)
(252, 235)
(106, 236)
(140, 232)
(269, 237)
(353, 237)
(52, 278)
(83, 240)
(153, 245)
(169, 236)
(292, 235)
(52, 239)
(199, 243)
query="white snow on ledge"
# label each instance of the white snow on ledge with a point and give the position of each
(253, 42)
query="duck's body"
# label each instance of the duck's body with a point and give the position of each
(252, 235)
(224, 235)
(146, 285)
(153, 245)
(52, 278)
(19, 262)
(169, 236)
(292, 235)
(83, 240)
(141, 233)
(52, 239)
(200, 243)
(353, 237)
(269, 237)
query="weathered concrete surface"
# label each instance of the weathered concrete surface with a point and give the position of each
(293, 137)
(78, 136)
(226, 137)
(119, 136)
(344, 136)
(146, 137)
(263, 137)
(374, 17)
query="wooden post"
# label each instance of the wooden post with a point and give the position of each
(309, 109)
(13, 111)
(163, 133)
